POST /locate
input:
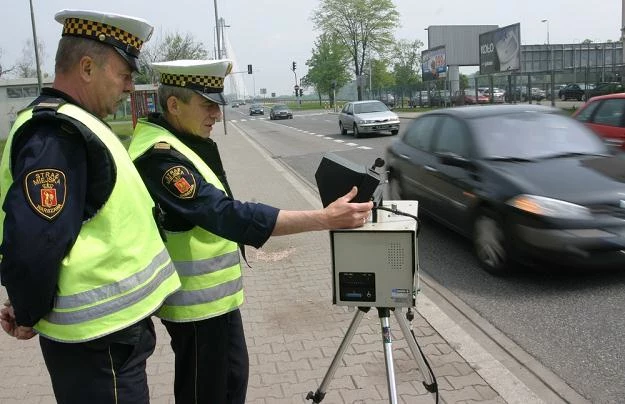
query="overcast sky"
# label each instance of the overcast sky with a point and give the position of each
(270, 34)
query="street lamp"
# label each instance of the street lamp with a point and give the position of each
(546, 21)
(551, 67)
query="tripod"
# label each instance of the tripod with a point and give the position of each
(384, 314)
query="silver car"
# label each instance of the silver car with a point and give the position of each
(367, 117)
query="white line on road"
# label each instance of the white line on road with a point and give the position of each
(365, 147)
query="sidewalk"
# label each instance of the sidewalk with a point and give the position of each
(292, 328)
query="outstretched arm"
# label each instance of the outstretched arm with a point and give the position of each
(340, 214)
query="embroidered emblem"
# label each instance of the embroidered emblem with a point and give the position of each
(180, 182)
(45, 190)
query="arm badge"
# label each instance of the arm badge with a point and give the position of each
(179, 182)
(45, 190)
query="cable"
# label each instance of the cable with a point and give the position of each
(397, 212)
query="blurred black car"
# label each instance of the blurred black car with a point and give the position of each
(523, 182)
(257, 109)
(280, 111)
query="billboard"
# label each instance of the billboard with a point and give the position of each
(433, 63)
(500, 50)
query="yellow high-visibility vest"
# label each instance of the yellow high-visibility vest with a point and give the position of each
(118, 270)
(208, 265)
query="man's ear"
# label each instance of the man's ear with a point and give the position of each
(86, 68)
(173, 105)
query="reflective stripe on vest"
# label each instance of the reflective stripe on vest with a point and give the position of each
(118, 271)
(208, 265)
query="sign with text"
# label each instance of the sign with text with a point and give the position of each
(500, 50)
(433, 63)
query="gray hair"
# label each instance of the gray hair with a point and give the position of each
(166, 91)
(72, 49)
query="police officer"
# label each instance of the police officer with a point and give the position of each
(182, 168)
(83, 263)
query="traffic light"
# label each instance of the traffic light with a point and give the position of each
(249, 69)
(296, 92)
(301, 92)
(294, 66)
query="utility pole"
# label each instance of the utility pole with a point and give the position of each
(223, 114)
(551, 67)
(36, 46)
(217, 30)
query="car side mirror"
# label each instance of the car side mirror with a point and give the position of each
(454, 160)
(349, 113)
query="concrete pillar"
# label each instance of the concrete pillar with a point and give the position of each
(454, 78)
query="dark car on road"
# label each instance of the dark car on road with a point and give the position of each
(257, 109)
(605, 115)
(525, 183)
(280, 111)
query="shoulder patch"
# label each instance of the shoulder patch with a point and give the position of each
(179, 182)
(45, 190)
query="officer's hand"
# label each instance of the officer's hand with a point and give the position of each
(7, 321)
(343, 214)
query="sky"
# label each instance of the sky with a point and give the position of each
(271, 34)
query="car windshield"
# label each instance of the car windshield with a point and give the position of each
(531, 135)
(368, 107)
(280, 108)
(255, 106)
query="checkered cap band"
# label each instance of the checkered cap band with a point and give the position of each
(207, 84)
(104, 33)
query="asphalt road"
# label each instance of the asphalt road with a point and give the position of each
(572, 323)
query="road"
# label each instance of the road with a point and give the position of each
(572, 323)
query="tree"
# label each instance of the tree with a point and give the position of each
(26, 67)
(464, 81)
(3, 69)
(327, 67)
(363, 26)
(381, 77)
(173, 47)
(407, 64)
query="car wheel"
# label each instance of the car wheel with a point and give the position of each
(356, 133)
(490, 244)
(342, 129)
(563, 97)
(394, 132)
(583, 97)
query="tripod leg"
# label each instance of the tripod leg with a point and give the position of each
(321, 391)
(388, 354)
(416, 353)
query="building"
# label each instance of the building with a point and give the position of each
(15, 95)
